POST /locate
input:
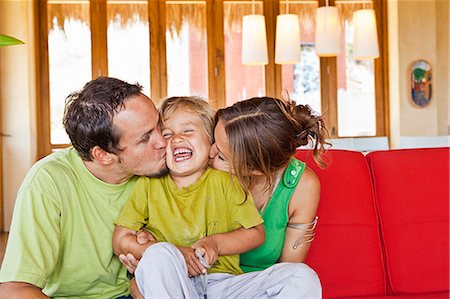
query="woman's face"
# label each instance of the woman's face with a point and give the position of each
(220, 150)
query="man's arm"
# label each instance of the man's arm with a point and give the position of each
(19, 290)
(125, 242)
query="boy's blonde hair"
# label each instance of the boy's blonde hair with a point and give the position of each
(197, 105)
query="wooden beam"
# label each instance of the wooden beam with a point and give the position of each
(158, 65)
(216, 56)
(382, 72)
(328, 89)
(43, 81)
(272, 70)
(99, 40)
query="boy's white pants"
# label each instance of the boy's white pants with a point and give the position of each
(162, 273)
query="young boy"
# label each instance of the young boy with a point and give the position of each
(198, 215)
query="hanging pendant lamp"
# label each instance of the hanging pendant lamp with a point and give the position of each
(328, 31)
(254, 41)
(287, 38)
(365, 39)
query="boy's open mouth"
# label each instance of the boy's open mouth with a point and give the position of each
(182, 153)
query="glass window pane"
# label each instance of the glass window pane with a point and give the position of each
(356, 83)
(186, 48)
(129, 42)
(302, 80)
(69, 51)
(241, 81)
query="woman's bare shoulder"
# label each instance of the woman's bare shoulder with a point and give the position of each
(305, 199)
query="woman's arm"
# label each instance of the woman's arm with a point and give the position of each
(302, 213)
(125, 242)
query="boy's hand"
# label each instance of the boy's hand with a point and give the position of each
(143, 237)
(192, 262)
(207, 247)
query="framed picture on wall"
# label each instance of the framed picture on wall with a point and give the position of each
(421, 83)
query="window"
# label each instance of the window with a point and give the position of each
(302, 81)
(193, 47)
(186, 48)
(241, 81)
(69, 57)
(128, 41)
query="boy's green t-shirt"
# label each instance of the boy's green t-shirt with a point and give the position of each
(216, 203)
(60, 237)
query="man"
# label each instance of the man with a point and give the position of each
(60, 239)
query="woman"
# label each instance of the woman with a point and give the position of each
(256, 139)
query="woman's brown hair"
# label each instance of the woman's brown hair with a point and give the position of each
(264, 134)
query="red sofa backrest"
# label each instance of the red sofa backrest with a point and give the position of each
(346, 253)
(412, 197)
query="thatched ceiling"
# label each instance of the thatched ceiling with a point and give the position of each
(194, 13)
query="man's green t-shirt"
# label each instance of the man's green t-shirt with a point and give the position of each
(60, 237)
(215, 203)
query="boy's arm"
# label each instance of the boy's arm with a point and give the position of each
(125, 242)
(234, 242)
(143, 238)
(18, 290)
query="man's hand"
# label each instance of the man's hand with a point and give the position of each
(207, 247)
(192, 262)
(135, 293)
(129, 261)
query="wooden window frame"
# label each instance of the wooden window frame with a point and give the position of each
(216, 63)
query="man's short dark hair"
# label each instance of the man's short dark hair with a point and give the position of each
(88, 114)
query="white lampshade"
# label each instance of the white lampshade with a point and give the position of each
(254, 41)
(328, 31)
(365, 39)
(287, 42)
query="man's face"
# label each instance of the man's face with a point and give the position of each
(142, 147)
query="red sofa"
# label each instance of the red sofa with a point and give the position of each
(383, 227)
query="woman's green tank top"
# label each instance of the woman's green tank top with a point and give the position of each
(276, 218)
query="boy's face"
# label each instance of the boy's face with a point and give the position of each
(187, 150)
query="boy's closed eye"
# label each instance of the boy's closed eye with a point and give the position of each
(166, 134)
(188, 131)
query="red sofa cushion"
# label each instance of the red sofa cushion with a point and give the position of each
(412, 296)
(412, 196)
(346, 253)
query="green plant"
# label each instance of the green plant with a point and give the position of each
(6, 40)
